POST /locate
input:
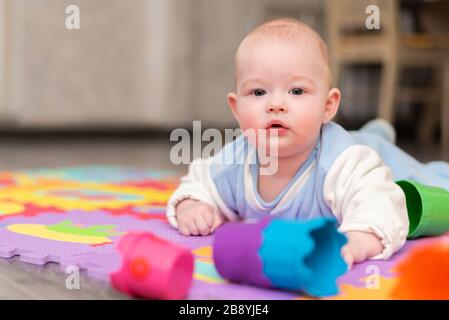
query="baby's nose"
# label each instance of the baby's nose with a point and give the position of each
(276, 108)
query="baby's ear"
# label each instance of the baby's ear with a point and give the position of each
(232, 102)
(332, 104)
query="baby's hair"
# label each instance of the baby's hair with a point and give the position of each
(289, 29)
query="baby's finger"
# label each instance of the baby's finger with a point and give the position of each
(183, 230)
(183, 224)
(201, 224)
(219, 219)
(191, 226)
(209, 217)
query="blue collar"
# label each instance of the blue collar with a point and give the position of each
(299, 172)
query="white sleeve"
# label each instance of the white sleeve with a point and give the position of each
(197, 184)
(362, 194)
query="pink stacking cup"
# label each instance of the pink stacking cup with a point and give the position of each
(153, 268)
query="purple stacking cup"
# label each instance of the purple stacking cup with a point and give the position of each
(236, 252)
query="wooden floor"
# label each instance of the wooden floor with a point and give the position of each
(25, 281)
(20, 280)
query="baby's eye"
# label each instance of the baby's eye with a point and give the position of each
(259, 92)
(296, 91)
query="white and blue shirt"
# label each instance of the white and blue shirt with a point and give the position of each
(349, 176)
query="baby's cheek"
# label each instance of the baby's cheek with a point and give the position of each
(248, 124)
(249, 115)
(310, 120)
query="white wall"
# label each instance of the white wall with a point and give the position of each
(132, 63)
(3, 113)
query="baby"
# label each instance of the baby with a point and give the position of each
(283, 86)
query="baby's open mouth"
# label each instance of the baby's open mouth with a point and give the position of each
(273, 124)
(278, 126)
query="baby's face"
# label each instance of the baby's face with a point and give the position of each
(284, 82)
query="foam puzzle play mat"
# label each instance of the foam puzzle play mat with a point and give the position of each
(90, 216)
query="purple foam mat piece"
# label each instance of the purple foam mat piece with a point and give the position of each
(100, 261)
(36, 250)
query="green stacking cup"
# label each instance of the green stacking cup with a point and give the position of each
(428, 209)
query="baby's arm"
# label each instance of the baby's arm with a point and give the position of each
(195, 208)
(371, 208)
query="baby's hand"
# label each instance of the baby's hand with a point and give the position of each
(360, 246)
(197, 218)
